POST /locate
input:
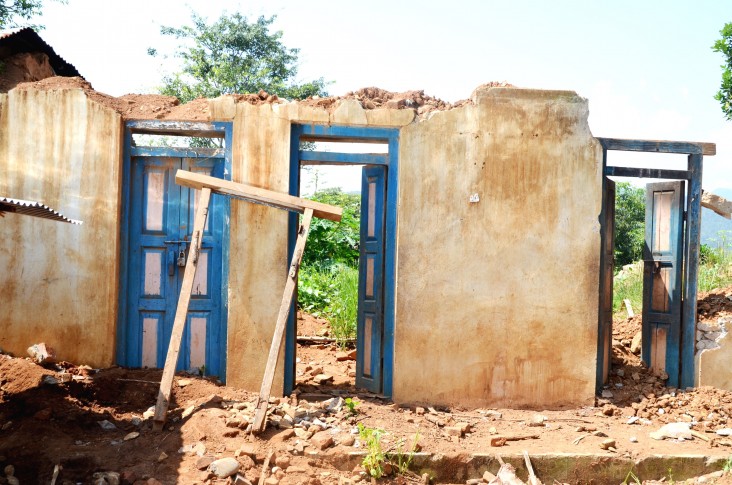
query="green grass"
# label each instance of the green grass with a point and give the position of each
(628, 284)
(331, 292)
(715, 271)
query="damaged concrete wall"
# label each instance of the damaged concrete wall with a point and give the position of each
(714, 352)
(58, 282)
(258, 241)
(499, 295)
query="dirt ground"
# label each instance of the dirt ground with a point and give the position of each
(85, 423)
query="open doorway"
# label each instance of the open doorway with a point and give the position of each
(346, 290)
(667, 273)
(327, 295)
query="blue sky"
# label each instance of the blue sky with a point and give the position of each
(646, 67)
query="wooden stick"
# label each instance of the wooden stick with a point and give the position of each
(629, 308)
(166, 383)
(258, 195)
(310, 339)
(137, 380)
(265, 468)
(274, 349)
(533, 479)
(500, 440)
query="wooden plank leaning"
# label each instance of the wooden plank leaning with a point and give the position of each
(258, 195)
(260, 415)
(166, 383)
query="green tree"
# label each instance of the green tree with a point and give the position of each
(233, 55)
(17, 13)
(630, 214)
(332, 242)
(724, 45)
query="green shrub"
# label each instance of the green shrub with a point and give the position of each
(332, 242)
(328, 281)
(630, 223)
(715, 271)
(331, 292)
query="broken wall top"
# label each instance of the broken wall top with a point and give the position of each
(367, 106)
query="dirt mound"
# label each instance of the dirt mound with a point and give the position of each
(145, 106)
(645, 395)
(18, 375)
(374, 98)
(24, 67)
(714, 304)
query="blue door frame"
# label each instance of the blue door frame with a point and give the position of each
(124, 356)
(389, 136)
(682, 350)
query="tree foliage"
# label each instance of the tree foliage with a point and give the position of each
(233, 55)
(332, 242)
(724, 46)
(630, 215)
(17, 13)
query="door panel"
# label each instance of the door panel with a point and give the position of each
(161, 219)
(662, 271)
(607, 262)
(371, 268)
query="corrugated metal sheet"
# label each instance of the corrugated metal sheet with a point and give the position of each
(15, 41)
(31, 208)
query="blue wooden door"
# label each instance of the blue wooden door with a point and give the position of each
(607, 265)
(662, 268)
(161, 221)
(370, 284)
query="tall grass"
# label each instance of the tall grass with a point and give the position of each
(331, 292)
(715, 271)
(628, 284)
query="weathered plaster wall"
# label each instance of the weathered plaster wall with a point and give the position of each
(497, 300)
(499, 295)
(258, 242)
(58, 282)
(714, 354)
(258, 245)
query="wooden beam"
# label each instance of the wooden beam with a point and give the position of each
(274, 349)
(177, 152)
(177, 128)
(258, 195)
(650, 173)
(689, 306)
(337, 157)
(718, 204)
(166, 383)
(660, 146)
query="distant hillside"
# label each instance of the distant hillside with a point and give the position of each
(713, 223)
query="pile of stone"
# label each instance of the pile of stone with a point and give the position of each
(708, 334)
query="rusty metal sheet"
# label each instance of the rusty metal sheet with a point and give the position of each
(32, 208)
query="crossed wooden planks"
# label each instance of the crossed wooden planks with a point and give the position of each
(209, 185)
